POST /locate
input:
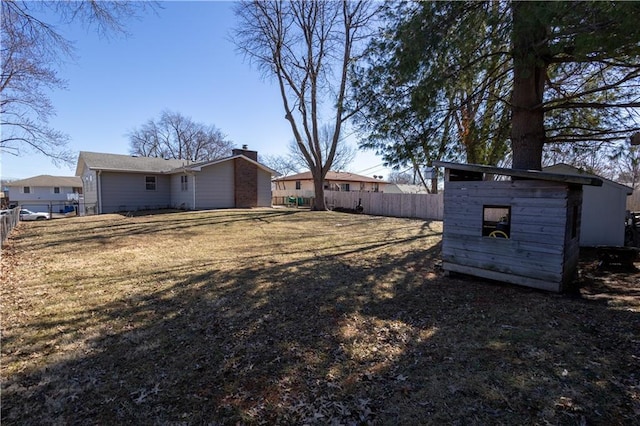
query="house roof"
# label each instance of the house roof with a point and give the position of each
(410, 189)
(566, 168)
(126, 163)
(48, 181)
(133, 164)
(200, 165)
(332, 176)
(525, 174)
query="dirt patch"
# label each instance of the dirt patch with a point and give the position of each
(288, 316)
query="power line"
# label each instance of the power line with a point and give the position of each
(379, 166)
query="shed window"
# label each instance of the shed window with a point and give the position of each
(496, 221)
(56, 189)
(150, 183)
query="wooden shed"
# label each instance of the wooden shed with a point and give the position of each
(521, 228)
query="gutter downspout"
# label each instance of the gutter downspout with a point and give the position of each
(99, 183)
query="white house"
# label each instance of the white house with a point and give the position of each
(301, 184)
(603, 209)
(45, 193)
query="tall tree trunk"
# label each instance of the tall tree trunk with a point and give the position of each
(318, 186)
(529, 76)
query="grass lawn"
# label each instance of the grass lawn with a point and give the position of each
(296, 317)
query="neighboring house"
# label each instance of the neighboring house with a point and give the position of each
(603, 209)
(301, 184)
(402, 188)
(45, 193)
(114, 183)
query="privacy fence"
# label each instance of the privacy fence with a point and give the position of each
(419, 206)
(633, 201)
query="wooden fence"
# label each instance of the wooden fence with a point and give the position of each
(633, 201)
(419, 206)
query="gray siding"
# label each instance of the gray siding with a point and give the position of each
(603, 213)
(127, 192)
(214, 186)
(264, 188)
(534, 255)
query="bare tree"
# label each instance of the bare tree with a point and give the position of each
(175, 136)
(344, 153)
(308, 47)
(283, 164)
(401, 177)
(31, 50)
(295, 161)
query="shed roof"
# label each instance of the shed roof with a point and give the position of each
(524, 174)
(331, 175)
(569, 169)
(48, 181)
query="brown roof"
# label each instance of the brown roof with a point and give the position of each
(332, 176)
(49, 181)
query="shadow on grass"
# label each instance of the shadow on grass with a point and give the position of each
(354, 337)
(90, 230)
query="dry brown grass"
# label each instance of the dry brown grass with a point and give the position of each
(293, 317)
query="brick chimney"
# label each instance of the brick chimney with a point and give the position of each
(247, 153)
(245, 178)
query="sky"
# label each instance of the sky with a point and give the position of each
(181, 58)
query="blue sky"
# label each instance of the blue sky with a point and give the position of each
(180, 58)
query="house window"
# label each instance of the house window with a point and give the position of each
(298, 184)
(496, 221)
(344, 187)
(26, 190)
(376, 187)
(184, 185)
(150, 183)
(56, 189)
(361, 186)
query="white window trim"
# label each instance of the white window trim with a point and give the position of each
(147, 183)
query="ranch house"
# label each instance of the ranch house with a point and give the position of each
(116, 183)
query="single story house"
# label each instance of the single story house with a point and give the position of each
(45, 193)
(403, 188)
(603, 209)
(115, 183)
(301, 184)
